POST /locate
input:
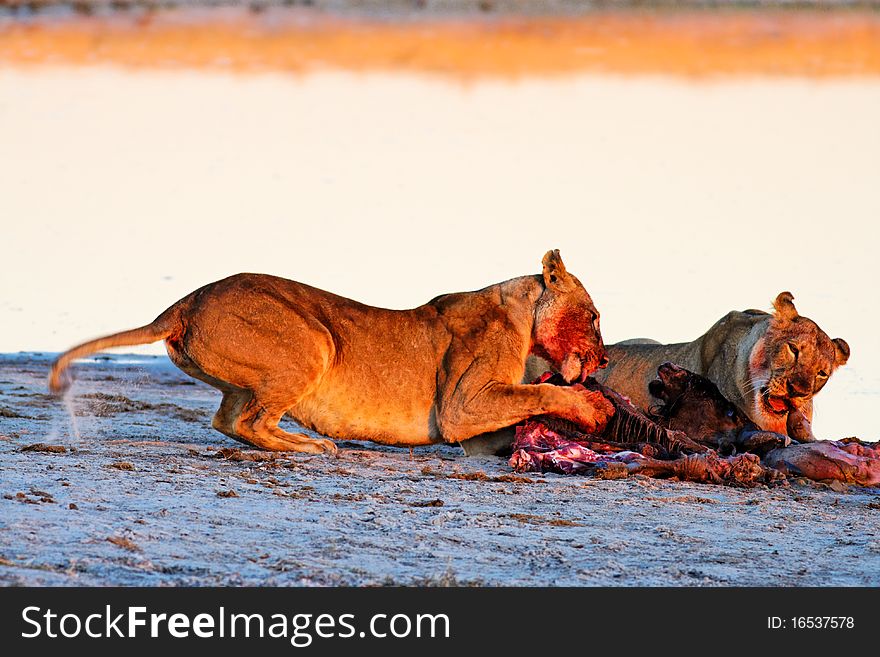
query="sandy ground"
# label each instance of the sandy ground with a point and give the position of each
(149, 494)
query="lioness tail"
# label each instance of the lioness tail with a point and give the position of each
(153, 332)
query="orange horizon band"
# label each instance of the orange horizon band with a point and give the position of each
(689, 44)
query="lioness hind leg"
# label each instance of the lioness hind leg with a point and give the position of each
(258, 426)
(231, 407)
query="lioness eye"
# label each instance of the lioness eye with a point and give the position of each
(793, 349)
(821, 375)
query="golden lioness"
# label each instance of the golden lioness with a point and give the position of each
(769, 365)
(445, 371)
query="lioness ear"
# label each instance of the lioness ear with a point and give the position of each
(784, 306)
(842, 349)
(554, 269)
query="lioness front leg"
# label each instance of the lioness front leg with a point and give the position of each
(494, 406)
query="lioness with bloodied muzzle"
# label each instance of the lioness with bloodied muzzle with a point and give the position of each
(443, 372)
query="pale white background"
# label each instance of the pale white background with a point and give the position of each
(674, 201)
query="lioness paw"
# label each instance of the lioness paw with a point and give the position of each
(594, 411)
(329, 447)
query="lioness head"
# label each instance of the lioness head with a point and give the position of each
(566, 331)
(791, 363)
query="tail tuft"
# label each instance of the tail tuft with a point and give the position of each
(59, 378)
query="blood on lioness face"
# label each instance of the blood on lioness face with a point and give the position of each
(566, 329)
(791, 364)
(571, 341)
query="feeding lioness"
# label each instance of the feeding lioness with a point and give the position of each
(768, 365)
(445, 371)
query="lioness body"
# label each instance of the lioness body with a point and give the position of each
(311, 331)
(445, 371)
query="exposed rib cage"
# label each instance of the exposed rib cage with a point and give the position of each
(628, 428)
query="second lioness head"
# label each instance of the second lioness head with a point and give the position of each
(792, 362)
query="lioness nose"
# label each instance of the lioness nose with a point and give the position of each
(794, 392)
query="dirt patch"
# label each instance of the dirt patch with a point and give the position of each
(7, 412)
(427, 503)
(481, 476)
(683, 499)
(230, 454)
(541, 520)
(109, 405)
(124, 543)
(33, 497)
(43, 447)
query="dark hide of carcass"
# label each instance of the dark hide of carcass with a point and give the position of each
(693, 404)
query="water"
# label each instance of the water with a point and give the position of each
(674, 200)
